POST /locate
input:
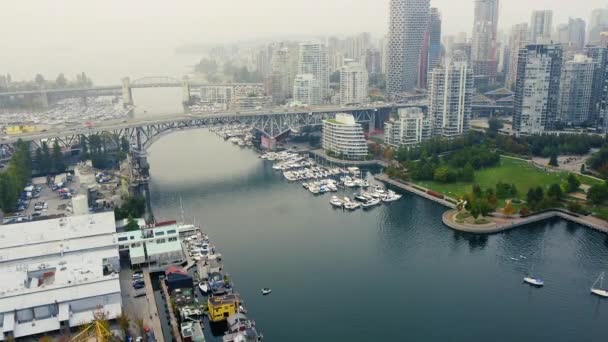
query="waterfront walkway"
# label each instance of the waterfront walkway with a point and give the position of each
(446, 201)
(321, 154)
(498, 223)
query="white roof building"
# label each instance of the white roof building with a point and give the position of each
(344, 136)
(56, 273)
(156, 245)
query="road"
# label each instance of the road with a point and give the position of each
(176, 117)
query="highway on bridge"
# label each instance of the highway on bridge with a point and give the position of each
(181, 117)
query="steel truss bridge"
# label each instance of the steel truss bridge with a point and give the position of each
(145, 132)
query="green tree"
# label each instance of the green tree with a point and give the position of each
(597, 194)
(441, 174)
(494, 125)
(45, 163)
(576, 207)
(468, 174)
(573, 183)
(61, 81)
(555, 192)
(131, 224)
(40, 81)
(57, 158)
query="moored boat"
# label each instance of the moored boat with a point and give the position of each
(599, 291)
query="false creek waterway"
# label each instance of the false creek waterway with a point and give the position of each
(393, 273)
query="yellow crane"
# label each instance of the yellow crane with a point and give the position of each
(98, 330)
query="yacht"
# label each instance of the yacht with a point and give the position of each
(391, 196)
(534, 281)
(336, 202)
(370, 203)
(351, 205)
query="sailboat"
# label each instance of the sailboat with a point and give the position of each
(599, 291)
(534, 281)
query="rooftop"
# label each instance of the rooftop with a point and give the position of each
(224, 300)
(54, 236)
(56, 260)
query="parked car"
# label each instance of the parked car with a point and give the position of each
(138, 275)
(139, 284)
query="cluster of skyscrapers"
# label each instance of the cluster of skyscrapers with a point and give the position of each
(555, 73)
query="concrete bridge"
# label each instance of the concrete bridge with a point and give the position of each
(273, 124)
(44, 97)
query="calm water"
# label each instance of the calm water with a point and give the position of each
(393, 273)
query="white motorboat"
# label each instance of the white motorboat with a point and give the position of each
(599, 291)
(314, 189)
(336, 202)
(351, 205)
(391, 196)
(370, 203)
(266, 291)
(534, 281)
(204, 287)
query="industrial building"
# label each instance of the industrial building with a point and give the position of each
(57, 273)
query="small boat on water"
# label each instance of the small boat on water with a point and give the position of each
(350, 204)
(532, 280)
(266, 291)
(391, 196)
(370, 203)
(336, 202)
(204, 287)
(537, 282)
(599, 291)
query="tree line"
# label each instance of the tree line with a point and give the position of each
(103, 149)
(81, 80)
(47, 161)
(15, 177)
(457, 166)
(536, 145)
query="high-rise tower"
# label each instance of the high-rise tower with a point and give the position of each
(408, 23)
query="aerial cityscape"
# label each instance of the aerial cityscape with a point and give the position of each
(395, 170)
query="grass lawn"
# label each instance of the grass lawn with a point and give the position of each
(512, 171)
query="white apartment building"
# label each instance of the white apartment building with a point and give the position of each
(57, 273)
(576, 87)
(409, 129)
(408, 23)
(345, 137)
(451, 99)
(518, 38)
(306, 90)
(541, 27)
(537, 90)
(353, 84)
(313, 61)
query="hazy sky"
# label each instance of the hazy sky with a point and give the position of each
(42, 34)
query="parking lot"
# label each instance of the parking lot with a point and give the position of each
(54, 203)
(134, 304)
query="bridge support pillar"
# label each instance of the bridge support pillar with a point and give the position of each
(127, 92)
(41, 100)
(372, 122)
(186, 98)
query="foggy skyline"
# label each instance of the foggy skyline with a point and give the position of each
(70, 36)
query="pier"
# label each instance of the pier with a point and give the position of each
(340, 162)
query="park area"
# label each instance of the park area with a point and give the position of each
(522, 174)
